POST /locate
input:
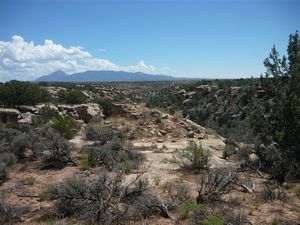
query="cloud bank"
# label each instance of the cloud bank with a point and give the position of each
(26, 61)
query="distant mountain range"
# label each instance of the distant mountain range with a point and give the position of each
(101, 76)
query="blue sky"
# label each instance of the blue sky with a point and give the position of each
(212, 39)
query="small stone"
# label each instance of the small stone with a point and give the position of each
(163, 132)
(190, 134)
(165, 116)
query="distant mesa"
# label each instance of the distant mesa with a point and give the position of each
(102, 76)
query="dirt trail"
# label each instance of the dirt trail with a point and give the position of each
(157, 157)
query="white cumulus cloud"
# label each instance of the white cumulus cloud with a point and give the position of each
(26, 61)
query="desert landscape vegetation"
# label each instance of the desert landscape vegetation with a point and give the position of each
(149, 112)
(175, 151)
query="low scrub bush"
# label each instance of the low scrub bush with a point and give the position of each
(194, 157)
(66, 126)
(158, 120)
(103, 200)
(3, 172)
(9, 159)
(100, 133)
(179, 194)
(112, 155)
(86, 164)
(20, 144)
(45, 143)
(178, 115)
(236, 218)
(193, 210)
(213, 220)
(7, 215)
(58, 150)
(30, 180)
(46, 114)
(243, 153)
(214, 184)
(228, 151)
(273, 192)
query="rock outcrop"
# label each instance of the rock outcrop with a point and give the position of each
(25, 114)
(83, 112)
(9, 115)
(124, 110)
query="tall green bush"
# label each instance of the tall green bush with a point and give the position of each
(277, 124)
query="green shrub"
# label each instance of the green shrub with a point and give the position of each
(158, 119)
(193, 157)
(125, 165)
(98, 133)
(86, 164)
(191, 209)
(213, 220)
(106, 105)
(66, 126)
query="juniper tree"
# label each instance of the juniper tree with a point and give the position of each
(277, 124)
